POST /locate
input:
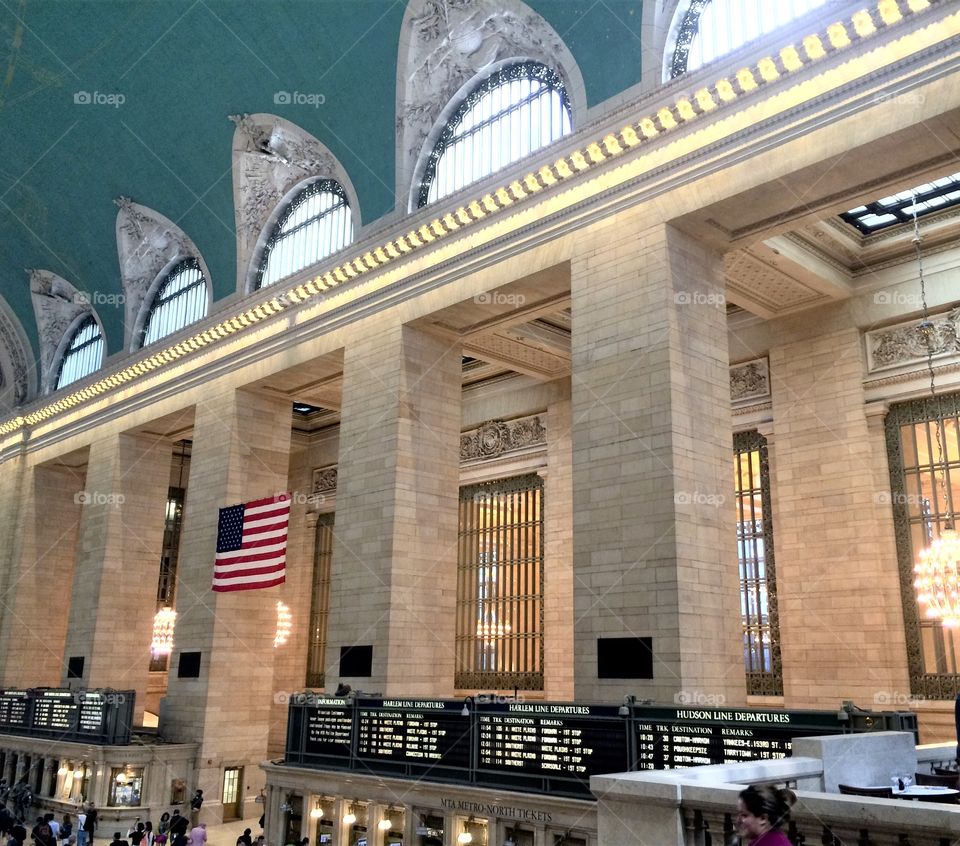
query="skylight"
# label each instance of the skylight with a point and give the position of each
(898, 208)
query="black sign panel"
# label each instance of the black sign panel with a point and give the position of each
(674, 738)
(328, 727)
(556, 741)
(431, 732)
(90, 716)
(14, 710)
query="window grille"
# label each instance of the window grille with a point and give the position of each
(919, 514)
(180, 300)
(712, 28)
(84, 353)
(509, 115)
(316, 224)
(320, 603)
(758, 589)
(499, 635)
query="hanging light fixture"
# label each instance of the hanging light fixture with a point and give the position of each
(466, 836)
(350, 816)
(938, 566)
(284, 625)
(317, 812)
(164, 622)
(63, 770)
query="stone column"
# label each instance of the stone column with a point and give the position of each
(841, 618)
(558, 552)
(118, 559)
(21, 767)
(49, 780)
(393, 585)
(654, 536)
(240, 453)
(36, 594)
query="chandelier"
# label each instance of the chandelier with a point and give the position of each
(163, 624)
(938, 566)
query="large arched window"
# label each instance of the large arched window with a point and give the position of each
(712, 28)
(509, 115)
(179, 301)
(84, 353)
(316, 223)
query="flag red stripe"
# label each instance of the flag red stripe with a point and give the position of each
(249, 571)
(225, 588)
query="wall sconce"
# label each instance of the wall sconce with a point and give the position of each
(316, 812)
(63, 770)
(465, 836)
(628, 702)
(385, 824)
(465, 712)
(350, 817)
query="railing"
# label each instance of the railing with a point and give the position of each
(697, 807)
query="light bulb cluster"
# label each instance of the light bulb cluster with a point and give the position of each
(938, 578)
(284, 625)
(164, 622)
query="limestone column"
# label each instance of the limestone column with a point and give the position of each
(654, 536)
(49, 779)
(241, 448)
(118, 559)
(558, 553)
(21, 768)
(36, 591)
(841, 619)
(393, 585)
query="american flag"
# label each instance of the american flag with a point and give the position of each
(252, 544)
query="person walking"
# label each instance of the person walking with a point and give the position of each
(195, 804)
(90, 824)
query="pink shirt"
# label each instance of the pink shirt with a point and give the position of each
(771, 838)
(198, 836)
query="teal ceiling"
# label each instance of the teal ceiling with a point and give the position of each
(164, 75)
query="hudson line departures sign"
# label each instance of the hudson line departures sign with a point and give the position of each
(544, 746)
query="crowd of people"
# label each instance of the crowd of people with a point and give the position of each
(82, 828)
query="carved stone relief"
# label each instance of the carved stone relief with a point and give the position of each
(56, 304)
(495, 437)
(271, 157)
(147, 243)
(750, 380)
(444, 44)
(324, 479)
(18, 381)
(907, 343)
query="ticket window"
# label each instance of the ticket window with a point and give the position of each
(471, 832)
(390, 828)
(429, 831)
(518, 837)
(567, 838)
(355, 821)
(325, 821)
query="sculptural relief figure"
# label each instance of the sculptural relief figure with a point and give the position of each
(56, 304)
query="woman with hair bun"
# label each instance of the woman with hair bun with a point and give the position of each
(762, 812)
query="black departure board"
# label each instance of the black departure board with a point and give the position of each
(328, 727)
(551, 740)
(14, 709)
(433, 732)
(676, 738)
(546, 747)
(91, 716)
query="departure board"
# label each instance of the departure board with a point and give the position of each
(414, 731)
(14, 709)
(677, 738)
(55, 712)
(546, 747)
(91, 716)
(563, 741)
(329, 727)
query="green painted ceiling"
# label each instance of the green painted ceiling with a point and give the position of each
(180, 67)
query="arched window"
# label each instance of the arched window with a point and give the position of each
(712, 28)
(509, 115)
(84, 353)
(316, 223)
(179, 301)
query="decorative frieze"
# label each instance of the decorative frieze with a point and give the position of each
(906, 343)
(324, 480)
(750, 380)
(496, 437)
(56, 305)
